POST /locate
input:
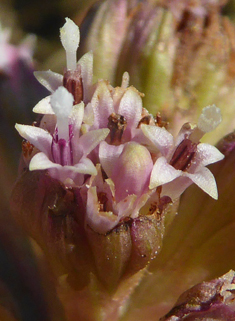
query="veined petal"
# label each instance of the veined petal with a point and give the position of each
(40, 138)
(205, 180)
(49, 79)
(131, 107)
(76, 118)
(176, 187)
(125, 207)
(86, 63)
(44, 106)
(160, 137)
(40, 161)
(131, 173)
(162, 173)
(102, 104)
(208, 154)
(88, 118)
(108, 155)
(85, 166)
(88, 142)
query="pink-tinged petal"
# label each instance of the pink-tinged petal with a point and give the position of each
(131, 107)
(44, 106)
(208, 154)
(88, 118)
(132, 171)
(86, 63)
(176, 187)
(40, 162)
(205, 180)
(125, 207)
(160, 137)
(48, 123)
(40, 138)
(49, 79)
(76, 118)
(85, 166)
(109, 155)
(163, 173)
(102, 104)
(88, 142)
(100, 222)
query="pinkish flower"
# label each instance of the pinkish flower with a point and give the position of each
(125, 191)
(65, 152)
(184, 161)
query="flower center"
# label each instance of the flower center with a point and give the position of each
(102, 201)
(183, 155)
(116, 125)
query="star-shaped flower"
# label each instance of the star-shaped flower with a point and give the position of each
(65, 152)
(183, 161)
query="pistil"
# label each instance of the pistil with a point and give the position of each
(70, 38)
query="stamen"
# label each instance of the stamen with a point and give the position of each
(62, 103)
(70, 38)
(72, 81)
(102, 200)
(144, 120)
(117, 125)
(183, 155)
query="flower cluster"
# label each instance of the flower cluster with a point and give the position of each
(102, 140)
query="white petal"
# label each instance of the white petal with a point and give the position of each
(125, 207)
(88, 118)
(49, 79)
(40, 138)
(208, 154)
(40, 161)
(131, 107)
(176, 187)
(86, 63)
(163, 173)
(102, 104)
(108, 155)
(76, 118)
(160, 137)
(44, 106)
(205, 180)
(100, 222)
(90, 140)
(85, 166)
